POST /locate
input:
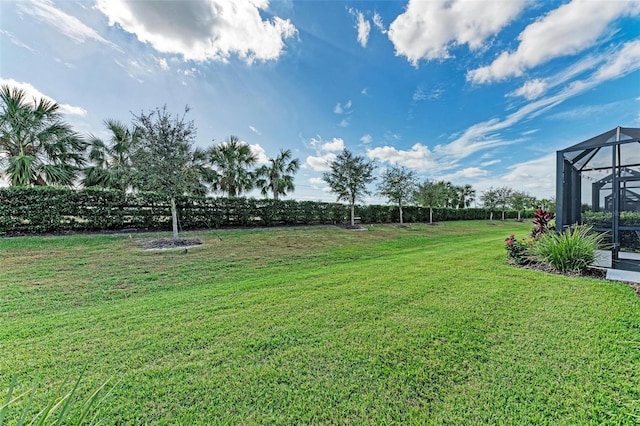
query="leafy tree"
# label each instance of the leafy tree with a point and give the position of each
(232, 161)
(349, 177)
(490, 200)
(111, 161)
(164, 160)
(36, 146)
(519, 201)
(277, 177)
(503, 198)
(466, 195)
(432, 195)
(399, 186)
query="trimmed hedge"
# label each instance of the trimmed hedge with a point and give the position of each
(53, 210)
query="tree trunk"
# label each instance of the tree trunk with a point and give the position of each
(491, 217)
(174, 218)
(430, 215)
(353, 215)
(400, 206)
(519, 216)
(503, 215)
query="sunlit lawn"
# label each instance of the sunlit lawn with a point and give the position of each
(320, 325)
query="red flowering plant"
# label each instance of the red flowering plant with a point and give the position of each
(518, 250)
(542, 221)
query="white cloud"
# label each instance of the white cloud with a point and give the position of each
(254, 130)
(624, 62)
(467, 173)
(536, 177)
(486, 134)
(259, 152)
(428, 29)
(343, 108)
(419, 157)
(317, 182)
(17, 42)
(490, 163)
(531, 89)
(363, 26)
(377, 22)
(364, 91)
(31, 93)
(72, 27)
(320, 163)
(344, 123)
(164, 66)
(567, 30)
(203, 30)
(366, 138)
(420, 94)
(336, 144)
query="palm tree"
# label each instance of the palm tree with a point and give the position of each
(36, 146)
(277, 177)
(232, 160)
(111, 161)
(466, 196)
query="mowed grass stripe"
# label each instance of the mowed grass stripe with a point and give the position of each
(421, 325)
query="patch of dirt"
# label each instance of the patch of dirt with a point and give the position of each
(169, 243)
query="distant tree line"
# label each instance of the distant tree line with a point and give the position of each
(156, 152)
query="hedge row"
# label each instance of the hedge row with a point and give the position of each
(53, 210)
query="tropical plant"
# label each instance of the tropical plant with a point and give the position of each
(277, 177)
(111, 161)
(466, 195)
(542, 222)
(399, 186)
(348, 178)
(572, 250)
(518, 251)
(232, 161)
(164, 160)
(36, 146)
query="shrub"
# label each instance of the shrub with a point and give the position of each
(518, 250)
(542, 221)
(573, 250)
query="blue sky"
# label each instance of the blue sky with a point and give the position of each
(479, 92)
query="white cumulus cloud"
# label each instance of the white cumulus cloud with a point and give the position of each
(336, 144)
(366, 138)
(260, 153)
(567, 30)
(33, 93)
(203, 30)
(532, 89)
(428, 29)
(419, 157)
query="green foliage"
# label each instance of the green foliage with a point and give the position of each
(277, 177)
(542, 222)
(59, 410)
(572, 250)
(41, 210)
(398, 185)
(36, 146)
(232, 161)
(518, 250)
(349, 177)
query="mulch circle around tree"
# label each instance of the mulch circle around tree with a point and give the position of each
(170, 243)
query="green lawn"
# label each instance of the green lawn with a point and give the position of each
(419, 325)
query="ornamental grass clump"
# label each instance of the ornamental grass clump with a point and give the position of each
(573, 250)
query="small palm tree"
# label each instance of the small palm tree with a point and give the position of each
(36, 146)
(232, 161)
(111, 161)
(466, 196)
(277, 177)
